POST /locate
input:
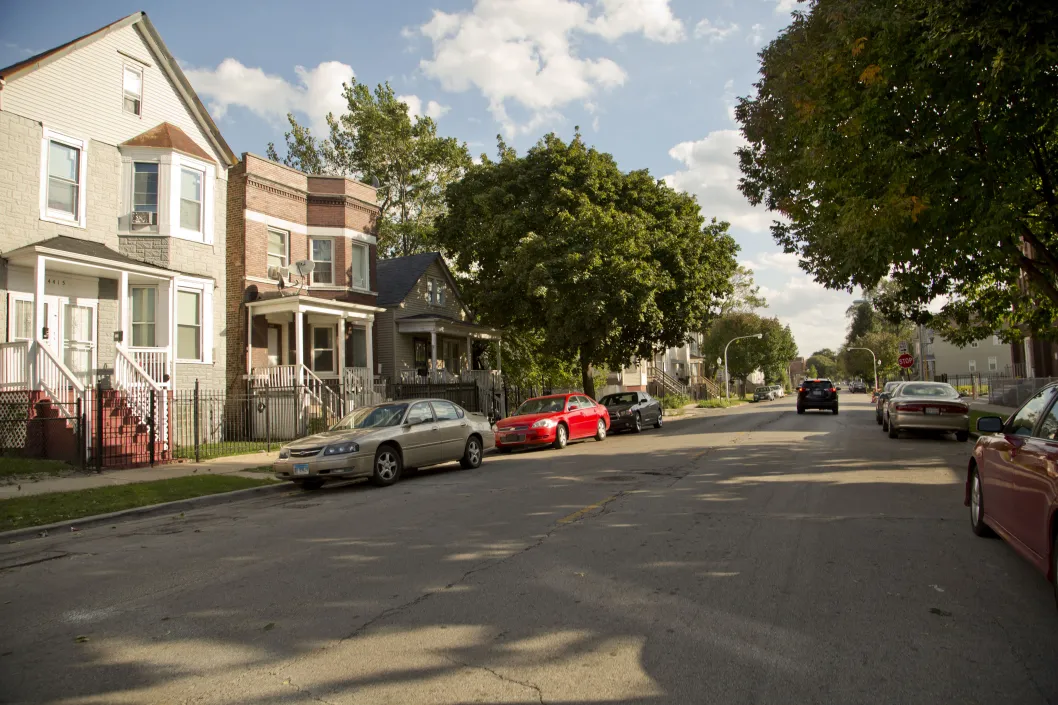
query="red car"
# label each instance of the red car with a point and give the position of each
(1012, 481)
(553, 421)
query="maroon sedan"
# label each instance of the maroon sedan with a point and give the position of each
(554, 421)
(1012, 481)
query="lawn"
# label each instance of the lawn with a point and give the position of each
(35, 510)
(32, 466)
(208, 451)
(719, 403)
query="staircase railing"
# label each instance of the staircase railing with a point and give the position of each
(58, 382)
(132, 379)
(668, 383)
(14, 365)
(359, 387)
(330, 400)
(154, 361)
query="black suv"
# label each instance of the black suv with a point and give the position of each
(817, 394)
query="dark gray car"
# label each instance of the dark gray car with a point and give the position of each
(631, 411)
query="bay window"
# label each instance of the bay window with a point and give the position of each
(191, 199)
(144, 323)
(358, 267)
(144, 195)
(321, 252)
(188, 325)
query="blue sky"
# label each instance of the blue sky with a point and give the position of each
(651, 81)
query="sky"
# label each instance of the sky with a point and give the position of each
(653, 82)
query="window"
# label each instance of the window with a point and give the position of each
(188, 325)
(132, 89)
(420, 413)
(143, 320)
(321, 251)
(993, 364)
(973, 365)
(358, 267)
(975, 344)
(191, 199)
(145, 193)
(1022, 423)
(450, 355)
(1049, 427)
(278, 252)
(445, 411)
(22, 328)
(358, 336)
(64, 180)
(435, 289)
(323, 349)
(995, 340)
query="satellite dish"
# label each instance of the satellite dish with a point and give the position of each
(304, 267)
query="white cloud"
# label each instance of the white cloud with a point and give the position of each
(317, 92)
(522, 52)
(816, 315)
(433, 110)
(756, 37)
(711, 172)
(714, 32)
(784, 262)
(785, 7)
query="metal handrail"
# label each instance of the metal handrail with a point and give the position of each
(130, 377)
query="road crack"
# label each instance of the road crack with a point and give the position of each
(507, 679)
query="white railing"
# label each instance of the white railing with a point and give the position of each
(137, 386)
(360, 388)
(277, 376)
(14, 365)
(58, 382)
(153, 361)
(327, 397)
(300, 376)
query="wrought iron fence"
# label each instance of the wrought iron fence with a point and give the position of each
(33, 427)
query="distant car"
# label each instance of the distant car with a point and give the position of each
(780, 392)
(1011, 484)
(926, 406)
(858, 387)
(381, 441)
(818, 394)
(882, 397)
(763, 394)
(554, 421)
(631, 411)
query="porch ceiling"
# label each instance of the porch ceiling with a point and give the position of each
(311, 304)
(428, 323)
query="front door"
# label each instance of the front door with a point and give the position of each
(79, 339)
(275, 351)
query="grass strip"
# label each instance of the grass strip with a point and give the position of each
(32, 466)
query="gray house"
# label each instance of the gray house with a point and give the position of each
(987, 356)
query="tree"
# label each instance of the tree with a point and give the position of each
(916, 139)
(771, 354)
(826, 365)
(377, 140)
(605, 267)
(745, 294)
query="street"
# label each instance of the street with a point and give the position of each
(751, 556)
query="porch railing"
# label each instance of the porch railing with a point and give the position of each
(154, 362)
(327, 397)
(132, 379)
(14, 365)
(58, 382)
(300, 376)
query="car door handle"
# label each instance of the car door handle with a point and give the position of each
(463, 424)
(434, 428)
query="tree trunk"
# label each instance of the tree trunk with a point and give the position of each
(585, 374)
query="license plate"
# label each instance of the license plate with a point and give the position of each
(301, 469)
(816, 394)
(932, 410)
(513, 438)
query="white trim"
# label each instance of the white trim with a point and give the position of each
(47, 137)
(208, 171)
(366, 263)
(334, 347)
(137, 59)
(302, 229)
(286, 245)
(334, 272)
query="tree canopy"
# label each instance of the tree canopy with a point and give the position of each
(600, 266)
(377, 140)
(745, 296)
(771, 354)
(916, 139)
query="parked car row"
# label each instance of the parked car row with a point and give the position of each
(769, 393)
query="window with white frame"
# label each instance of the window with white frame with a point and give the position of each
(188, 325)
(323, 349)
(973, 365)
(22, 318)
(358, 267)
(144, 324)
(435, 291)
(321, 252)
(132, 89)
(993, 364)
(191, 199)
(995, 340)
(65, 173)
(278, 247)
(144, 195)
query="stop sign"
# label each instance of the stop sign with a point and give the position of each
(906, 360)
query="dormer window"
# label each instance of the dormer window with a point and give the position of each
(132, 88)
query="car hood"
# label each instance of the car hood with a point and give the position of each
(614, 408)
(325, 437)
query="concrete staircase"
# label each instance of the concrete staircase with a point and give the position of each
(126, 435)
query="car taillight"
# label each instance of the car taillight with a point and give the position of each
(832, 390)
(904, 406)
(800, 389)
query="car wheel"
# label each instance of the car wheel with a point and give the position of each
(600, 430)
(977, 506)
(310, 484)
(661, 420)
(800, 410)
(962, 436)
(878, 419)
(637, 424)
(885, 424)
(561, 437)
(894, 432)
(471, 454)
(387, 467)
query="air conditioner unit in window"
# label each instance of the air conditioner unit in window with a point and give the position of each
(144, 218)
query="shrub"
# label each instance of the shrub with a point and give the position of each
(675, 401)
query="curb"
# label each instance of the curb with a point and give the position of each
(180, 505)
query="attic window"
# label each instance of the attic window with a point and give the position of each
(132, 89)
(436, 292)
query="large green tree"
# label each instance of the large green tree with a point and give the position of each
(604, 266)
(771, 354)
(745, 295)
(916, 139)
(377, 140)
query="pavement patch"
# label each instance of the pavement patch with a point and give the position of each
(580, 513)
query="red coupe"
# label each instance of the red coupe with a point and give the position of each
(553, 421)
(1012, 481)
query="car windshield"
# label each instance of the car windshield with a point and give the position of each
(890, 386)
(616, 399)
(543, 405)
(817, 384)
(763, 389)
(372, 417)
(936, 391)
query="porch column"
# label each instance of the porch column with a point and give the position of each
(341, 350)
(38, 314)
(470, 353)
(299, 340)
(370, 344)
(433, 354)
(123, 310)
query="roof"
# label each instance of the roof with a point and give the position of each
(86, 248)
(397, 277)
(168, 136)
(438, 317)
(167, 63)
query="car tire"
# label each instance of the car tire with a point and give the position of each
(878, 418)
(637, 425)
(962, 436)
(600, 430)
(661, 420)
(894, 432)
(885, 425)
(472, 454)
(561, 437)
(977, 507)
(800, 410)
(387, 467)
(310, 484)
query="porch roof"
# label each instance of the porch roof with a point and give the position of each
(300, 303)
(434, 323)
(85, 252)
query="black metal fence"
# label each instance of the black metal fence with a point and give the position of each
(463, 393)
(33, 427)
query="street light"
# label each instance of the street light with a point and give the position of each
(875, 357)
(727, 377)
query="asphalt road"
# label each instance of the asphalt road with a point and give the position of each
(753, 557)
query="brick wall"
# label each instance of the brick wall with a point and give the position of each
(234, 285)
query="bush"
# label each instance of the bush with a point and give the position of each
(674, 401)
(719, 403)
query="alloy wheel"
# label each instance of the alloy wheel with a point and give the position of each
(386, 465)
(600, 430)
(975, 500)
(474, 452)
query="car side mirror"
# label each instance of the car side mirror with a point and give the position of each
(989, 424)
(573, 407)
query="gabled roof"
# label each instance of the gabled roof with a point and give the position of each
(168, 136)
(397, 276)
(166, 62)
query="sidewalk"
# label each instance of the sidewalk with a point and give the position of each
(238, 465)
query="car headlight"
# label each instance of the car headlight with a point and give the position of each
(341, 448)
(545, 423)
(626, 412)
(284, 453)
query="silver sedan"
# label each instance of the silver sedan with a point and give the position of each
(381, 441)
(926, 406)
